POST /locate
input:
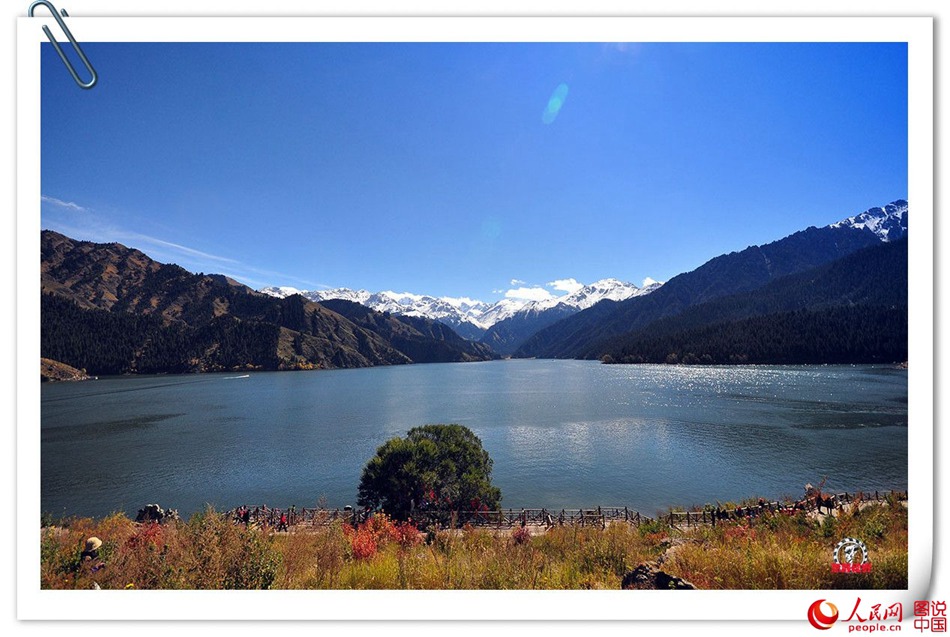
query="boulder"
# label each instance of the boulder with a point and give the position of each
(648, 576)
(155, 513)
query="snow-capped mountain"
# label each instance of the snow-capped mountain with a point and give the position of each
(411, 304)
(506, 335)
(461, 314)
(470, 317)
(888, 223)
(501, 310)
(592, 294)
(280, 291)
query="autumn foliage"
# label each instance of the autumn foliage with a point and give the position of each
(380, 530)
(210, 551)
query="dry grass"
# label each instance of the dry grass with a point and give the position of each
(210, 552)
(795, 552)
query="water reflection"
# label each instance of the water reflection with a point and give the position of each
(561, 433)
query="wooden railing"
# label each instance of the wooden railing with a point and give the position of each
(828, 502)
(597, 516)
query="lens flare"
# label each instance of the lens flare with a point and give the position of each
(554, 104)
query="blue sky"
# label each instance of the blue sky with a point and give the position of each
(473, 170)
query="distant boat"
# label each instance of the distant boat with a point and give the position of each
(233, 377)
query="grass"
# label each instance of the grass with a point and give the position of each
(795, 552)
(211, 552)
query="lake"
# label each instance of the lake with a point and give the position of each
(562, 434)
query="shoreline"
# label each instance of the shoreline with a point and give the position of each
(901, 366)
(750, 507)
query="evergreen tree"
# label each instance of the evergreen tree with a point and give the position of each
(435, 468)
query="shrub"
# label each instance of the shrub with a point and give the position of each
(521, 535)
(382, 529)
(222, 554)
(435, 468)
(656, 526)
(377, 532)
(407, 534)
(364, 544)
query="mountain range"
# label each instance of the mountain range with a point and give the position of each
(506, 335)
(583, 334)
(470, 318)
(831, 294)
(110, 309)
(851, 310)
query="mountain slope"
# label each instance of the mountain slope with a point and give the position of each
(111, 309)
(853, 310)
(728, 274)
(831, 336)
(471, 318)
(462, 315)
(888, 223)
(421, 339)
(508, 334)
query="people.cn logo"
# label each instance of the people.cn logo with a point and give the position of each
(818, 618)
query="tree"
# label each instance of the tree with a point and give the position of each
(434, 468)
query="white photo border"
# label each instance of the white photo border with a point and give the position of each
(34, 603)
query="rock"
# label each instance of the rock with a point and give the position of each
(155, 513)
(647, 576)
(51, 370)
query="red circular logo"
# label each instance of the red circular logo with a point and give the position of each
(819, 619)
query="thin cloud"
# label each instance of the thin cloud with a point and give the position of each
(250, 276)
(529, 294)
(198, 259)
(517, 282)
(69, 205)
(621, 50)
(95, 229)
(459, 301)
(192, 259)
(180, 248)
(566, 285)
(401, 295)
(632, 48)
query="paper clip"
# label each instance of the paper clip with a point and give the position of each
(62, 56)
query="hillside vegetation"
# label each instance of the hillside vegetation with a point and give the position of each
(853, 310)
(211, 551)
(581, 335)
(111, 310)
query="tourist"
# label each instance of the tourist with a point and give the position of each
(91, 552)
